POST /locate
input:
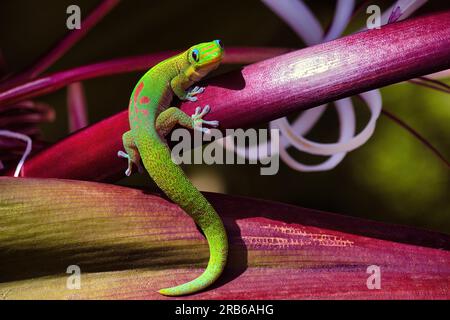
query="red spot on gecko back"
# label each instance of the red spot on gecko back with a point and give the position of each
(144, 100)
(138, 90)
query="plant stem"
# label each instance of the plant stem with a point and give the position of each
(53, 82)
(417, 135)
(273, 88)
(63, 46)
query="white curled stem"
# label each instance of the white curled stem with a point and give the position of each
(342, 15)
(26, 153)
(407, 8)
(374, 102)
(302, 125)
(299, 17)
(346, 115)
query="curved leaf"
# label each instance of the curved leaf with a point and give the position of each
(129, 244)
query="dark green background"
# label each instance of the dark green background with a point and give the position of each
(392, 178)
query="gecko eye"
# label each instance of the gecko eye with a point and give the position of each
(195, 55)
(219, 43)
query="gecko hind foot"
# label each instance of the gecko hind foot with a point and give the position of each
(129, 170)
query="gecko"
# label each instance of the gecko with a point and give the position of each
(151, 119)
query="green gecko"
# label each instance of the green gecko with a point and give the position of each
(151, 119)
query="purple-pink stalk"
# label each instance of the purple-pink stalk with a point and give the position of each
(272, 88)
(62, 47)
(43, 63)
(58, 80)
(76, 105)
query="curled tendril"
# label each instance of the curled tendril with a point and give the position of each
(300, 18)
(23, 137)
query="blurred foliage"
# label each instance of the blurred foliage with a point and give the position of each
(392, 178)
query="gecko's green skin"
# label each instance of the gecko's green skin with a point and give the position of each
(151, 118)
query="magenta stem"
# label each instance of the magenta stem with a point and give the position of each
(53, 82)
(64, 45)
(418, 136)
(273, 88)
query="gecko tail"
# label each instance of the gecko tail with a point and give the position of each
(218, 258)
(171, 179)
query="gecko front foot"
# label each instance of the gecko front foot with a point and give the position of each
(129, 170)
(197, 119)
(191, 94)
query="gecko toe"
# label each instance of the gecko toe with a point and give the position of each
(122, 154)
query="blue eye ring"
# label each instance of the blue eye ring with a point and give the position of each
(219, 43)
(195, 54)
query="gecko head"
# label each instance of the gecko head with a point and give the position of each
(205, 57)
